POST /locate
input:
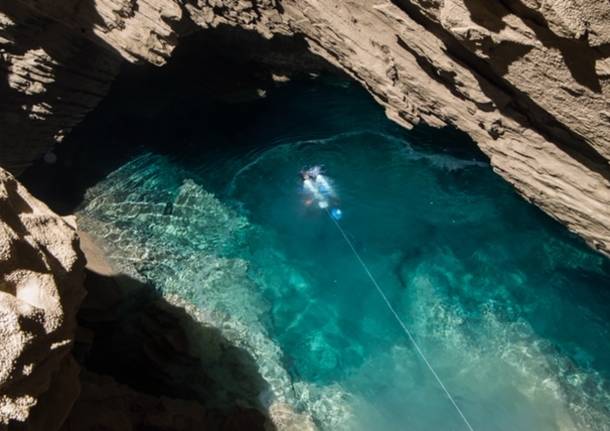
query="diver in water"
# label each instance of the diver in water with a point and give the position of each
(319, 190)
(311, 187)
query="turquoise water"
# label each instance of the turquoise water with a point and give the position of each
(511, 310)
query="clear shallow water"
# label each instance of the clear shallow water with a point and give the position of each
(512, 311)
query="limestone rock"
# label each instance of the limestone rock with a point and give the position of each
(50, 78)
(260, 15)
(528, 80)
(138, 30)
(41, 276)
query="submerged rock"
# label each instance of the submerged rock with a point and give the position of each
(197, 258)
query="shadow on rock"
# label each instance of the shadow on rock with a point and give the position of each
(156, 350)
(578, 56)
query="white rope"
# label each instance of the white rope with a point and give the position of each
(401, 323)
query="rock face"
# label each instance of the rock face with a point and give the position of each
(41, 287)
(43, 388)
(528, 80)
(49, 80)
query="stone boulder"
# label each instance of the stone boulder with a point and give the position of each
(41, 287)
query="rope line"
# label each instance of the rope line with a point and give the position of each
(400, 322)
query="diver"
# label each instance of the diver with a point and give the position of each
(315, 186)
(318, 189)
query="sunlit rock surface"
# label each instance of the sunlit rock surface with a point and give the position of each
(41, 276)
(528, 80)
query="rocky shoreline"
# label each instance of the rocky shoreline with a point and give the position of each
(176, 349)
(146, 369)
(57, 375)
(227, 322)
(41, 289)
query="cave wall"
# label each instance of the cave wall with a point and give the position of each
(41, 288)
(528, 80)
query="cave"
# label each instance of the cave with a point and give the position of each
(274, 215)
(231, 287)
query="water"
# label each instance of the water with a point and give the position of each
(511, 310)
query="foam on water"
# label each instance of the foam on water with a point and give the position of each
(512, 311)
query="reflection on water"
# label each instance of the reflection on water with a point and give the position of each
(512, 311)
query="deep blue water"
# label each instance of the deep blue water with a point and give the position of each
(511, 310)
